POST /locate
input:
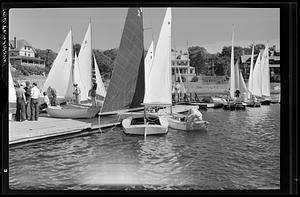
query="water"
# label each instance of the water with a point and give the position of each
(241, 150)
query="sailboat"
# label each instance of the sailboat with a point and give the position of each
(80, 73)
(159, 76)
(252, 102)
(260, 80)
(12, 98)
(265, 77)
(236, 83)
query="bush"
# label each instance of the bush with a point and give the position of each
(195, 79)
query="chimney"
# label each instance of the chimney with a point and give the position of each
(15, 42)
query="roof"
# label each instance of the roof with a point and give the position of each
(179, 56)
(20, 45)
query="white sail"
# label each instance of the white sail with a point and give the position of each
(85, 63)
(61, 71)
(250, 81)
(256, 88)
(12, 98)
(232, 76)
(182, 88)
(158, 90)
(239, 80)
(148, 62)
(265, 77)
(100, 85)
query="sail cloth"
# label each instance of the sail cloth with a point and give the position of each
(250, 81)
(85, 64)
(265, 78)
(127, 85)
(148, 62)
(256, 89)
(61, 71)
(100, 86)
(239, 80)
(232, 76)
(159, 89)
(12, 98)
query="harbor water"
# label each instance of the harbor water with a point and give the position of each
(240, 150)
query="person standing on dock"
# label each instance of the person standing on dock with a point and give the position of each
(92, 94)
(28, 100)
(76, 93)
(35, 93)
(21, 100)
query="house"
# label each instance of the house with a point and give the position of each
(24, 54)
(181, 64)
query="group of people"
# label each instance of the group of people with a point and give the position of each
(28, 106)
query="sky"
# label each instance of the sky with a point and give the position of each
(46, 28)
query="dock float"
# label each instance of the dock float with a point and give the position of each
(49, 128)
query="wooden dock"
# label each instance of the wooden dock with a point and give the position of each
(51, 128)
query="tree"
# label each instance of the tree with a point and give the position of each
(198, 56)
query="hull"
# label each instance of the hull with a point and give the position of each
(253, 104)
(210, 105)
(265, 102)
(136, 126)
(186, 126)
(73, 111)
(235, 106)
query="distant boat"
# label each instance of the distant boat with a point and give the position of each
(251, 101)
(260, 79)
(236, 83)
(158, 85)
(80, 73)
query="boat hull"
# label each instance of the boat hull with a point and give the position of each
(235, 106)
(145, 129)
(175, 123)
(253, 104)
(210, 105)
(73, 111)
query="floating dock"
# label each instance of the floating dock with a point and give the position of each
(49, 128)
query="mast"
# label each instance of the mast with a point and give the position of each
(232, 70)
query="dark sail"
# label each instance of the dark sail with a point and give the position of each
(126, 88)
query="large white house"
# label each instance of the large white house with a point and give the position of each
(181, 64)
(23, 53)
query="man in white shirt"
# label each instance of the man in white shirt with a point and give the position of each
(35, 93)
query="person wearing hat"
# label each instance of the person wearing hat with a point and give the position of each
(76, 93)
(35, 93)
(27, 89)
(21, 100)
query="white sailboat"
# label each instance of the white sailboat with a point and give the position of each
(236, 83)
(253, 82)
(265, 77)
(81, 74)
(159, 76)
(61, 72)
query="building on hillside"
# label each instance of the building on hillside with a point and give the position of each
(274, 63)
(24, 54)
(181, 64)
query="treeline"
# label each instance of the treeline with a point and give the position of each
(219, 63)
(204, 62)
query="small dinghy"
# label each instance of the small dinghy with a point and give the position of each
(145, 125)
(179, 123)
(73, 111)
